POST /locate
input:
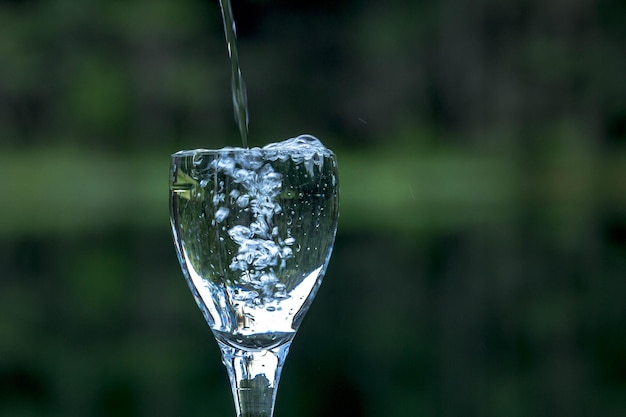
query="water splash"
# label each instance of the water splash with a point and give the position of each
(260, 247)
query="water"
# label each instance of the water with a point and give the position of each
(238, 86)
(254, 229)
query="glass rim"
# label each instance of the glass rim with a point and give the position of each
(258, 151)
(204, 151)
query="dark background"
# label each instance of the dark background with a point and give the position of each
(480, 263)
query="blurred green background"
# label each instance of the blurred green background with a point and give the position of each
(480, 263)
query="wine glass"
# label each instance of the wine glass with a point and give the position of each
(254, 230)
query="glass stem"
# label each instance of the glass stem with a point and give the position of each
(254, 377)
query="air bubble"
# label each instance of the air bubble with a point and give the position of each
(218, 198)
(197, 159)
(233, 196)
(221, 214)
(243, 201)
(280, 291)
(225, 164)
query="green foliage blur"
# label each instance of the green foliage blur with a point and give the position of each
(480, 264)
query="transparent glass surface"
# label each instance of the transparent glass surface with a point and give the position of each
(254, 230)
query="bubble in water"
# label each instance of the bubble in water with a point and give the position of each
(243, 201)
(243, 295)
(239, 234)
(280, 290)
(218, 198)
(286, 252)
(260, 228)
(234, 194)
(242, 176)
(197, 159)
(221, 214)
(272, 181)
(225, 164)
